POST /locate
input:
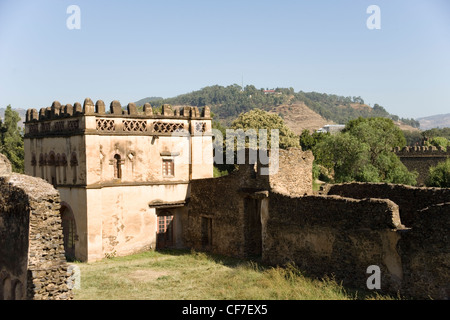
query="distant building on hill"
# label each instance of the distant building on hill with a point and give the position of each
(332, 128)
(271, 91)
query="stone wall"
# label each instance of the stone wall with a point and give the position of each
(228, 208)
(294, 175)
(334, 236)
(409, 199)
(400, 229)
(32, 261)
(420, 159)
(425, 253)
(215, 199)
(5, 165)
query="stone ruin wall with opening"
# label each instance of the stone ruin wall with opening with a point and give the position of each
(341, 232)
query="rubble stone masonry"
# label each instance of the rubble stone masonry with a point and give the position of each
(32, 261)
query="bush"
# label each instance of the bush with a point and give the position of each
(440, 175)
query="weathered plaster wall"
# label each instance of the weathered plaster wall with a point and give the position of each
(122, 220)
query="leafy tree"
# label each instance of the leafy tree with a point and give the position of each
(436, 132)
(258, 119)
(440, 175)
(413, 138)
(362, 152)
(11, 139)
(344, 154)
(308, 141)
(380, 134)
(438, 142)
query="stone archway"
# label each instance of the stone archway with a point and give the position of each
(69, 230)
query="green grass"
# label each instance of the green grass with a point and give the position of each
(189, 275)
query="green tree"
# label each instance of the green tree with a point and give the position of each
(381, 134)
(342, 153)
(413, 138)
(362, 152)
(11, 139)
(308, 141)
(440, 175)
(258, 119)
(438, 142)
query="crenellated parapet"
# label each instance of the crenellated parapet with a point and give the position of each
(421, 151)
(92, 118)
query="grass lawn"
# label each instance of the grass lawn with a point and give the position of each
(189, 275)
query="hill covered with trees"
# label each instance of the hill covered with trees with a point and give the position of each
(230, 101)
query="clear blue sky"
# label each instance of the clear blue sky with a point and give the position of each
(128, 50)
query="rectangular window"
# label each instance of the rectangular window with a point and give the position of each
(165, 234)
(168, 168)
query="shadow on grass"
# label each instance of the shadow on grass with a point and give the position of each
(256, 263)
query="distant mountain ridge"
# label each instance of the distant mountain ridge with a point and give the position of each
(436, 121)
(147, 100)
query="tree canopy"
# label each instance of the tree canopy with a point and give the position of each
(363, 152)
(11, 140)
(440, 175)
(258, 119)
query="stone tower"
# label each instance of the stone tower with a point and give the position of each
(123, 175)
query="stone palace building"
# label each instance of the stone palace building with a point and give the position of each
(123, 175)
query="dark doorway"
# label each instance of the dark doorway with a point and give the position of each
(164, 235)
(69, 232)
(253, 227)
(206, 232)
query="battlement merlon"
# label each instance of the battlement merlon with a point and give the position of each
(421, 151)
(90, 118)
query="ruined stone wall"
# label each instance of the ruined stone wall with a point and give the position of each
(401, 229)
(409, 199)
(32, 261)
(420, 159)
(294, 174)
(217, 199)
(330, 235)
(425, 253)
(232, 204)
(5, 165)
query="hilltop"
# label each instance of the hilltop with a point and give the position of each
(300, 110)
(299, 117)
(436, 121)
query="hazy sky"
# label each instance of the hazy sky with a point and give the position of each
(128, 50)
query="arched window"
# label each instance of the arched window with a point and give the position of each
(64, 167)
(117, 166)
(69, 231)
(74, 164)
(41, 165)
(52, 164)
(33, 164)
